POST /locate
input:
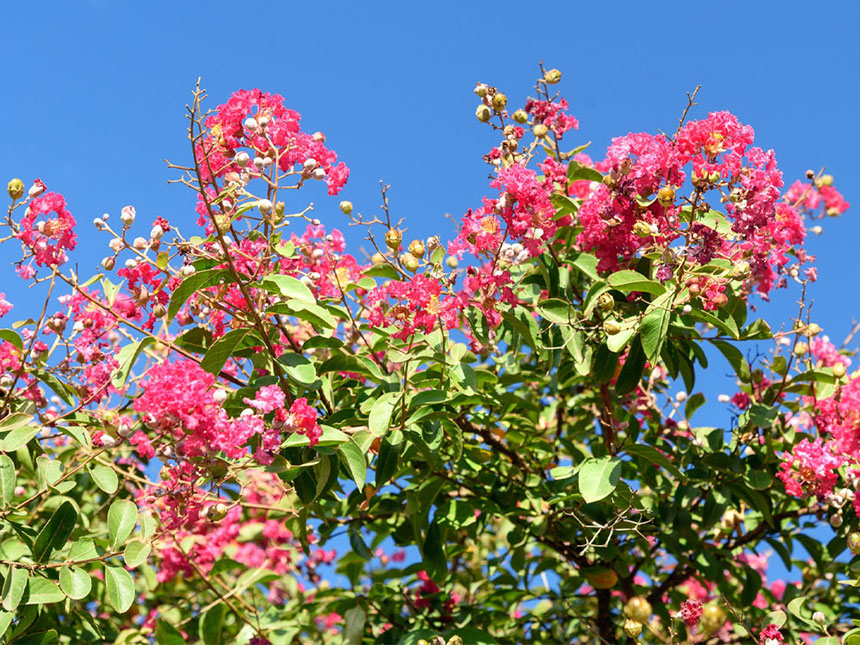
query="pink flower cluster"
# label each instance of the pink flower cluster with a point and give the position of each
(47, 230)
(626, 215)
(260, 122)
(690, 612)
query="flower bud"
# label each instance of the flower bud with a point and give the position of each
(393, 238)
(499, 101)
(854, 542)
(632, 628)
(377, 258)
(552, 76)
(409, 261)
(156, 233)
(318, 174)
(824, 180)
(800, 349)
(99, 223)
(819, 617)
(813, 329)
(484, 113)
(346, 207)
(242, 159)
(838, 370)
(836, 520)
(15, 188)
(666, 196)
(713, 618)
(219, 395)
(451, 262)
(36, 189)
(127, 216)
(251, 124)
(521, 116)
(108, 263)
(416, 248)
(140, 243)
(540, 130)
(264, 206)
(810, 174)
(481, 89)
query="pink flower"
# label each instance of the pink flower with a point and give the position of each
(691, 611)
(770, 635)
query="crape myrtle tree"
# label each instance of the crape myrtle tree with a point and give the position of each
(497, 431)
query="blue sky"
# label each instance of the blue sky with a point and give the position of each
(94, 94)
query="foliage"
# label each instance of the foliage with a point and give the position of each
(499, 435)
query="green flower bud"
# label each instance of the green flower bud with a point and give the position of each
(346, 207)
(521, 116)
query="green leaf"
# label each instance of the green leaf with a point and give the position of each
(12, 337)
(355, 461)
(120, 588)
(380, 414)
(353, 630)
(41, 591)
(187, 287)
(126, 358)
(605, 363)
(56, 532)
(167, 634)
(557, 311)
(75, 582)
(433, 552)
(14, 586)
(735, 357)
(655, 326)
(7, 480)
(577, 172)
(299, 369)
(628, 281)
(211, 625)
(288, 286)
(387, 460)
(122, 516)
(162, 259)
(104, 477)
(777, 618)
(796, 607)
(654, 456)
(617, 342)
(632, 370)
(221, 350)
(598, 478)
(135, 553)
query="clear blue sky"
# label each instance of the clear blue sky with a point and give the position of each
(94, 93)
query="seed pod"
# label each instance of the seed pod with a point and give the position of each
(632, 628)
(483, 113)
(521, 116)
(606, 302)
(611, 327)
(499, 101)
(638, 609)
(15, 188)
(416, 248)
(666, 196)
(552, 76)
(393, 238)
